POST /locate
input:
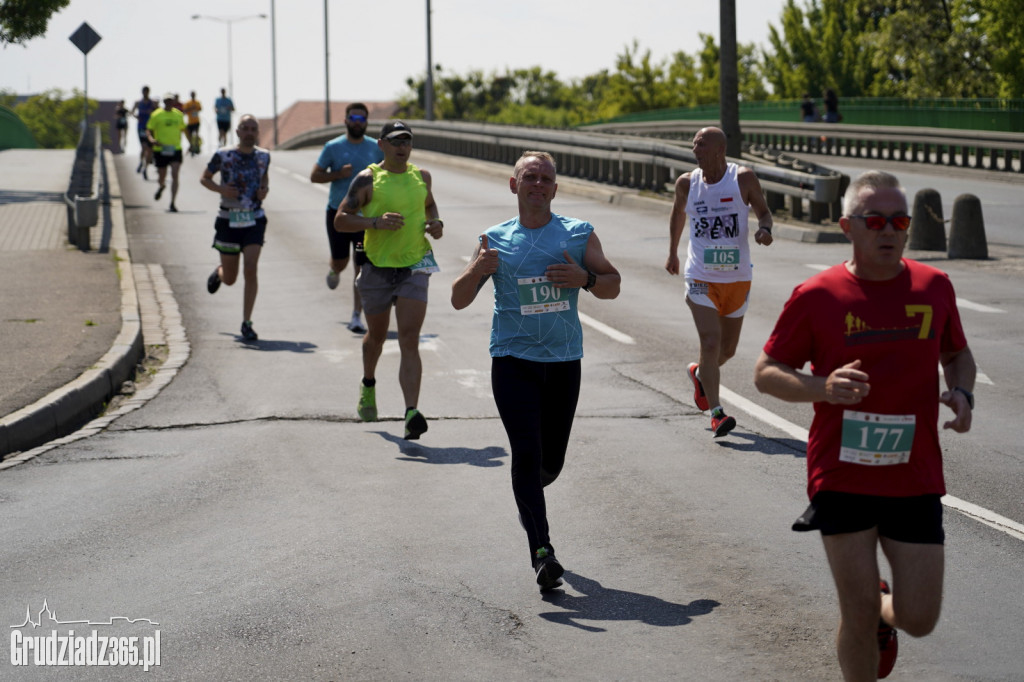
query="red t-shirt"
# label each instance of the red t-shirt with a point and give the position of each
(897, 328)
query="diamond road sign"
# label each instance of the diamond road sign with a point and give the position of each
(85, 38)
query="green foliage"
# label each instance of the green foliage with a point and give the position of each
(859, 48)
(55, 122)
(534, 96)
(1000, 22)
(22, 20)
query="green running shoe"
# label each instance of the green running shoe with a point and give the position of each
(367, 408)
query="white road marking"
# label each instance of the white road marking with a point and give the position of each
(611, 332)
(989, 518)
(978, 307)
(324, 187)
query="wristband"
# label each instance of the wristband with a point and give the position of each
(374, 223)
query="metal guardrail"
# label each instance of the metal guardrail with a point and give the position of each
(623, 160)
(940, 146)
(83, 195)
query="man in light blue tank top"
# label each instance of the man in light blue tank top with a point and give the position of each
(539, 262)
(343, 158)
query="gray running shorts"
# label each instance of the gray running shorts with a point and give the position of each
(380, 287)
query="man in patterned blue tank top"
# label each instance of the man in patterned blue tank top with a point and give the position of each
(539, 262)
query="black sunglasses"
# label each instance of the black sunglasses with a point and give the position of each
(877, 222)
(357, 118)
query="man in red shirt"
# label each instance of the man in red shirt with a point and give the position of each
(875, 330)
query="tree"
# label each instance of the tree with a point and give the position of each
(22, 20)
(931, 48)
(820, 47)
(1000, 22)
(55, 122)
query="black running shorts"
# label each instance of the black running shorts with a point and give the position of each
(905, 519)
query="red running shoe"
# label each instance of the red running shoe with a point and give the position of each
(888, 645)
(698, 389)
(722, 425)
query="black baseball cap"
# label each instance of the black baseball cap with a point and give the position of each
(395, 129)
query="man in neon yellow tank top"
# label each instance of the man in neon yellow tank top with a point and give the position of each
(392, 202)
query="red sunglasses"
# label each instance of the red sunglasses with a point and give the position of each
(877, 222)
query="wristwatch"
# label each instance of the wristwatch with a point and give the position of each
(967, 394)
(591, 281)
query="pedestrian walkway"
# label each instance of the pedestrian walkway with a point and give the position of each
(60, 308)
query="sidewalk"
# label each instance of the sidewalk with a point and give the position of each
(69, 330)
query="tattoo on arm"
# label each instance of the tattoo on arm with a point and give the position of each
(353, 202)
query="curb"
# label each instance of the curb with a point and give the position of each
(68, 408)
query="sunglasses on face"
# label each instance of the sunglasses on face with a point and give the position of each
(400, 141)
(877, 222)
(357, 118)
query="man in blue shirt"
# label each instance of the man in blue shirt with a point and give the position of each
(223, 106)
(539, 262)
(342, 159)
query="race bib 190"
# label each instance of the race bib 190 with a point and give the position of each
(537, 295)
(876, 439)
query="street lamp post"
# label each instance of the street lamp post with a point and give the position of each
(229, 21)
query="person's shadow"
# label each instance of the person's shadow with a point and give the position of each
(414, 452)
(601, 603)
(789, 447)
(273, 345)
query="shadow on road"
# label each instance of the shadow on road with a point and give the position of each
(790, 447)
(272, 345)
(599, 603)
(414, 452)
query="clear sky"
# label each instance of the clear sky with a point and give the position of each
(373, 49)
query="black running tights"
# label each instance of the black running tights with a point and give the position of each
(537, 403)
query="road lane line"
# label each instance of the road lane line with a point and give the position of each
(978, 307)
(989, 518)
(985, 516)
(611, 332)
(323, 187)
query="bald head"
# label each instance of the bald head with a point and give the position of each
(715, 136)
(709, 148)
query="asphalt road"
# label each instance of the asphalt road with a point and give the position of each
(271, 535)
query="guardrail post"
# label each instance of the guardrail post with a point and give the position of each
(967, 230)
(796, 207)
(927, 228)
(836, 207)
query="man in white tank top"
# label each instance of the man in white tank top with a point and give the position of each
(717, 198)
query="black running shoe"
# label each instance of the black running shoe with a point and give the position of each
(248, 333)
(173, 209)
(415, 424)
(213, 281)
(549, 571)
(159, 192)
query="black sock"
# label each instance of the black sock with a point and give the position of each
(369, 383)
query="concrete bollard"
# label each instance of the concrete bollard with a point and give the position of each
(967, 231)
(927, 229)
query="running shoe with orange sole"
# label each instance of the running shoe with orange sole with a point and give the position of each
(888, 645)
(698, 389)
